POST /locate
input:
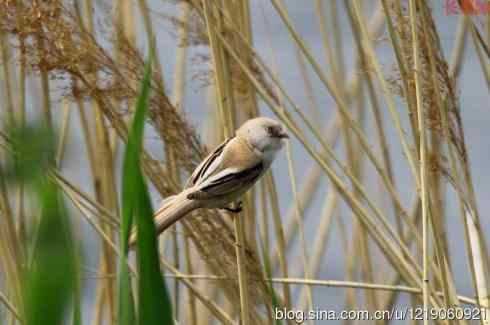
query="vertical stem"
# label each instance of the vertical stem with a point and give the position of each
(11, 252)
(192, 316)
(145, 13)
(321, 237)
(304, 255)
(279, 232)
(178, 98)
(479, 268)
(424, 195)
(104, 186)
(242, 275)
(5, 59)
(21, 123)
(181, 56)
(226, 104)
(64, 132)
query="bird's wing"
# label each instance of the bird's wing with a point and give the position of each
(208, 166)
(239, 167)
(228, 182)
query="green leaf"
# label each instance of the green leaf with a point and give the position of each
(33, 153)
(51, 279)
(129, 183)
(77, 297)
(154, 305)
(154, 301)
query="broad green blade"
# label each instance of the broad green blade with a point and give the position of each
(51, 280)
(129, 198)
(154, 306)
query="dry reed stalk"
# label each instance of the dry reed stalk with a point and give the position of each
(346, 171)
(297, 212)
(480, 271)
(363, 285)
(279, 233)
(321, 238)
(191, 311)
(21, 120)
(307, 191)
(304, 254)
(479, 46)
(326, 283)
(86, 213)
(212, 306)
(12, 252)
(226, 106)
(103, 182)
(458, 49)
(364, 66)
(7, 76)
(338, 80)
(308, 188)
(8, 254)
(353, 84)
(395, 37)
(65, 126)
(151, 40)
(449, 121)
(264, 227)
(368, 266)
(437, 208)
(424, 192)
(408, 238)
(178, 99)
(355, 181)
(10, 306)
(312, 102)
(81, 198)
(372, 61)
(390, 99)
(181, 57)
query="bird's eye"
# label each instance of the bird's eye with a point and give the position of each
(270, 130)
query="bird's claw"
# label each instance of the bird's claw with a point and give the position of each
(237, 209)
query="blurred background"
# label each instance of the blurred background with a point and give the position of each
(82, 83)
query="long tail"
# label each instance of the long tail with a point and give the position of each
(173, 208)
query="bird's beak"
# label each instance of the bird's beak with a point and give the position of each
(283, 135)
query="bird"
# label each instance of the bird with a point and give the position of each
(226, 173)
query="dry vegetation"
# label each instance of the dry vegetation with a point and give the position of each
(86, 59)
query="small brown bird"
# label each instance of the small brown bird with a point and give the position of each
(226, 173)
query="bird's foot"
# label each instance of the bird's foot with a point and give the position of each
(237, 209)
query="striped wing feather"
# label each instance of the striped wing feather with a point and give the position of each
(208, 165)
(232, 182)
(234, 168)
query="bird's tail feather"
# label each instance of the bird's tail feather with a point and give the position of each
(172, 209)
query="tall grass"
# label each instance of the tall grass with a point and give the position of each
(85, 60)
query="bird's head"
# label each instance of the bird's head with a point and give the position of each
(264, 134)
